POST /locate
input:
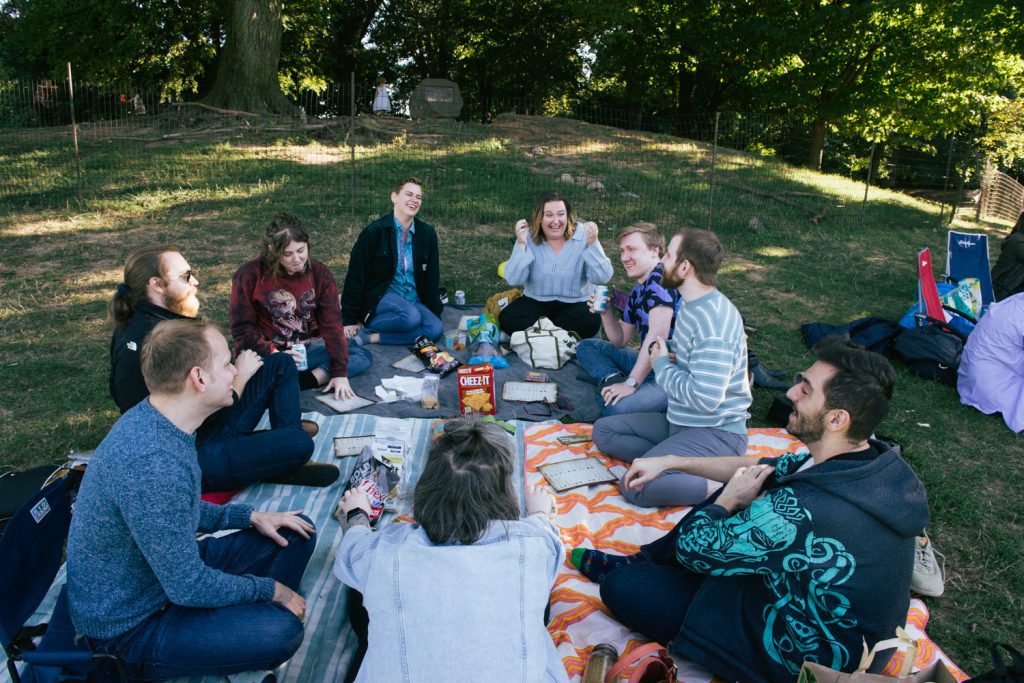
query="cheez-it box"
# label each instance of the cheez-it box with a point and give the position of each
(476, 389)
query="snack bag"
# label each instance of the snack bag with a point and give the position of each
(436, 360)
(483, 342)
(375, 478)
(476, 389)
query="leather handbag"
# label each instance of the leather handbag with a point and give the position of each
(653, 665)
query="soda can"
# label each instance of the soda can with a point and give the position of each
(600, 298)
(460, 297)
(303, 363)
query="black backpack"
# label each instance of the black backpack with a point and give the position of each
(931, 351)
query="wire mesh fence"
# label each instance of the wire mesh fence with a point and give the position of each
(485, 167)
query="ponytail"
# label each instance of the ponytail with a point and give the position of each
(143, 264)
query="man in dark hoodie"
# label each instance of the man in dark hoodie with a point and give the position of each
(794, 559)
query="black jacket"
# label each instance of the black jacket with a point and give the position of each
(127, 387)
(372, 265)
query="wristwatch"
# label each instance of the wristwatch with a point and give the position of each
(631, 382)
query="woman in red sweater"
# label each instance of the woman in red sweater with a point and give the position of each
(283, 298)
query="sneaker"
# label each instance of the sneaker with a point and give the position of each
(310, 427)
(310, 474)
(929, 575)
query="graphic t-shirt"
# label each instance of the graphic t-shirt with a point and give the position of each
(647, 296)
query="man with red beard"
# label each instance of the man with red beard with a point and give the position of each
(803, 557)
(705, 379)
(160, 285)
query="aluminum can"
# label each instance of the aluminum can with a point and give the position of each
(303, 360)
(460, 297)
(600, 298)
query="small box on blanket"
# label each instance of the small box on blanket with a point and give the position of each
(476, 389)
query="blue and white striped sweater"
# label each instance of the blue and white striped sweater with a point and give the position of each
(708, 385)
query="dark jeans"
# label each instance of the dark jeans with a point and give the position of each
(232, 455)
(524, 312)
(216, 641)
(653, 594)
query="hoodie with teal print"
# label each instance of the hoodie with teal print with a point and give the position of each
(820, 562)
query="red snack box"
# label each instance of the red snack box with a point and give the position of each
(476, 389)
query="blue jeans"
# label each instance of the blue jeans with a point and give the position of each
(359, 359)
(601, 358)
(400, 322)
(232, 455)
(216, 641)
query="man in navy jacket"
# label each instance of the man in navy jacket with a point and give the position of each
(794, 559)
(391, 293)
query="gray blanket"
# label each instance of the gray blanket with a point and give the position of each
(576, 391)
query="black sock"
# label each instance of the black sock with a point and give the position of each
(595, 565)
(307, 380)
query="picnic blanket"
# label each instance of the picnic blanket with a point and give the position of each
(575, 387)
(598, 517)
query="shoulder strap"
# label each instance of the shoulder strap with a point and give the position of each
(632, 658)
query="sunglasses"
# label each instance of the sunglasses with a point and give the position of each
(189, 274)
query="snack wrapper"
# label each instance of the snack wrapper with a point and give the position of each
(377, 479)
(436, 360)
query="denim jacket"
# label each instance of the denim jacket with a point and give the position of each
(455, 612)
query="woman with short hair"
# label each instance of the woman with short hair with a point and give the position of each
(283, 297)
(556, 260)
(461, 594)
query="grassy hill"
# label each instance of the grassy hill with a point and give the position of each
(800, 248)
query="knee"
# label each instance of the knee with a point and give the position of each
(432, 326)
(300, 548)
(281, 640)
(602, 434)
(281, 366)
(359, 360)
(632, 496)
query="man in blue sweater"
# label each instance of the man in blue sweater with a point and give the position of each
(706, 382)
(800, 558)
(139, 584)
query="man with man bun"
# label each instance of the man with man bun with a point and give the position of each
(160, 285)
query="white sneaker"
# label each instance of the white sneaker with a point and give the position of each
(929, 577)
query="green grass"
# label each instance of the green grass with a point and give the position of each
(210, 194)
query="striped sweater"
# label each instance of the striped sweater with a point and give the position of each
(707, 386)
(566, 276)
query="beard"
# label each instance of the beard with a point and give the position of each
(807, 428)
(672, 280)
(186, 305)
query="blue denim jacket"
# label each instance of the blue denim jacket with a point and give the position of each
(455, 612)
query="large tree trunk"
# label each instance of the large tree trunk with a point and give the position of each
(817, 150)
(247, 70)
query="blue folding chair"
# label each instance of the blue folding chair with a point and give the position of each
(967, 256)
(31, 553)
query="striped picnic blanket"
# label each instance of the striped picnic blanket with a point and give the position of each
(598, 517)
